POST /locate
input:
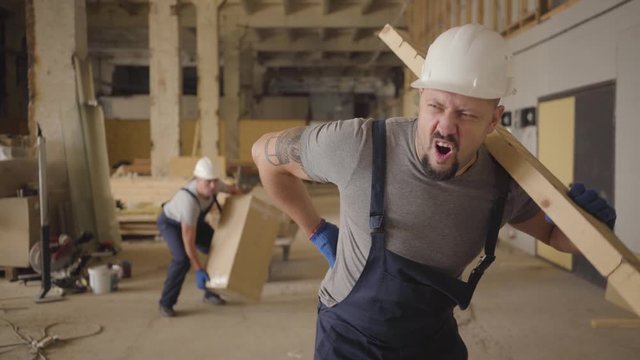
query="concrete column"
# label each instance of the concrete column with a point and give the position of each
(56, 31)
(230, 108)
(208, 75)
(165, 82)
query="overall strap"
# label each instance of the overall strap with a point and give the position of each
(195, 197)
(378, 172)
(495, 223)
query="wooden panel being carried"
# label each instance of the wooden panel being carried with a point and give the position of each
(594, 239)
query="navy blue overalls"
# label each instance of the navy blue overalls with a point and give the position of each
(398, 308)
(171, 231)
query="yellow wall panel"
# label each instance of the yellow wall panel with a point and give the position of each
(250, 130)
(556, 139)
(131, 139)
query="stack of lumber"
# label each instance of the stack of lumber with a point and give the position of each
(142, 197)
(138, 166)
(136, 223)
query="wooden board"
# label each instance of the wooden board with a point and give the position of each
(23, 171)
(19, 230)
(596, 242)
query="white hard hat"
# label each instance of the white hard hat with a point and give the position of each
(204, 169)
(470, 60)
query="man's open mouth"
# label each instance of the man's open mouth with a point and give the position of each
(443, 148)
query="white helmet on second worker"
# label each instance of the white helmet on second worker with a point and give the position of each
(204, 169)
(470, 60)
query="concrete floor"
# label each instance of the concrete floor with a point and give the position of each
(523, 309)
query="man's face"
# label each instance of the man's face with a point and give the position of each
(205, 187)
(451, 129)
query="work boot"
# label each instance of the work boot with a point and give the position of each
(167, 311)
(212, 298)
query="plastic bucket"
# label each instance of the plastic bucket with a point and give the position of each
(100, 279)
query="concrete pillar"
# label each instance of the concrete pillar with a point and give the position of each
(230, 108)
(208, 75)
(165, 82)
(56, 31)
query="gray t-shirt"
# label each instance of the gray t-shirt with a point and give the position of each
(183, 208)
(439, 223)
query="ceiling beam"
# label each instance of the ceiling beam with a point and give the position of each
(247, 5)
(266, 15)
(359, 34)
(322, 34)
(327, 62)
(326, 7)
(367, 6)
(288, 6)
(339, 44)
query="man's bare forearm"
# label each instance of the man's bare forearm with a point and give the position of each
(548, 233)
(277, 156)
(559, 241)
(189, 241)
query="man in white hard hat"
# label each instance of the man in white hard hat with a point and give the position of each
(419, 200)
(182, 225)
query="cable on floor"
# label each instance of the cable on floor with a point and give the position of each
(37, 346)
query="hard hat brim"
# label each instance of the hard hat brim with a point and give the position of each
(429, 84)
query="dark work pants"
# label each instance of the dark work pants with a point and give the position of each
(171, 231)
(179, 266)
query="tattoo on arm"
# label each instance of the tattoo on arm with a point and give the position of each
(284, 148)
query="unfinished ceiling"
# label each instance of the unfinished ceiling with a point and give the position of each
(293, 37)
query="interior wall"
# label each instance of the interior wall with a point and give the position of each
(591, 42)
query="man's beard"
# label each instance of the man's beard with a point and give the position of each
(440, 175)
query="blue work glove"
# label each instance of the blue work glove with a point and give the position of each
(590, 201)
(201, 279)
(593, 204)
(325, 238)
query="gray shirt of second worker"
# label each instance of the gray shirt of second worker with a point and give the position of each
(442, 224)
(183, 208)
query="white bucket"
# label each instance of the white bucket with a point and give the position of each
(100, 279)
